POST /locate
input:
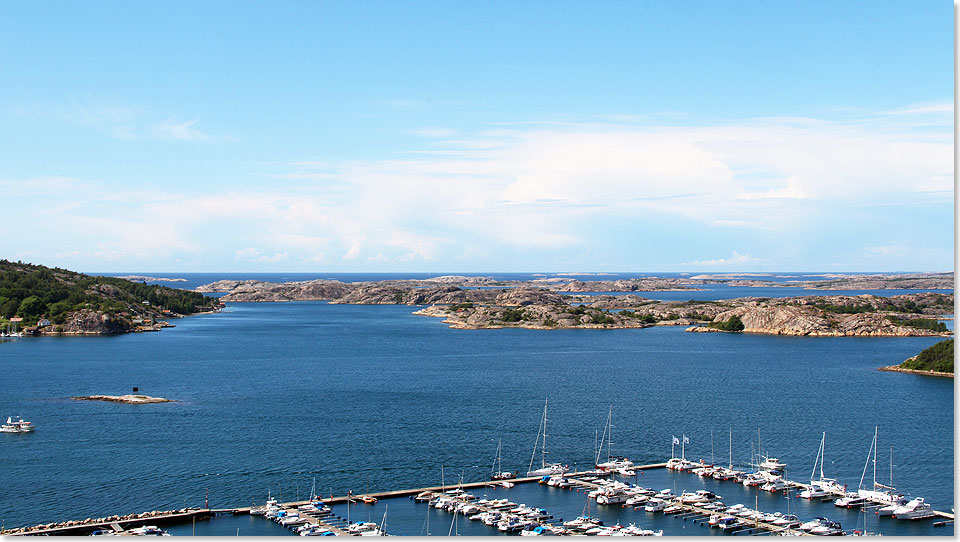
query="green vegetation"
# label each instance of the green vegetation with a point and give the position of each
(601, 318)
(550, 322)
(461, 306)
(513, 315)
(732, 324)
(920, 323)
(29, 291)
(854, 308)
(645, 318)
(938, 357)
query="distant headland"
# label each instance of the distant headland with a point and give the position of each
(38, 300)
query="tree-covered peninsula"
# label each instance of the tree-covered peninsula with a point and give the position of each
(53, 300)
(938, 357)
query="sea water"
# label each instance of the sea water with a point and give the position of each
(369, 398)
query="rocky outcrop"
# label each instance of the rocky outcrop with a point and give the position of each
(128, 399)
(228, 285)
(387, 293)
(805, 317)
(628, 285)
(91, 322)
(257, 291)
(519, 297)
(530, 316)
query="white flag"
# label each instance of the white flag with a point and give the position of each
(686, 440)
(676, 440)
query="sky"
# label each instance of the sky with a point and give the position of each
(478, 136)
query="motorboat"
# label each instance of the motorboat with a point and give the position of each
(774, 486)
(655, 505)
(915, 509)
(815, 491)
(891, 509)
(613, 496)
(17, 425)
(148, 530)
(827, 528)
(849, 500)
(816, 522)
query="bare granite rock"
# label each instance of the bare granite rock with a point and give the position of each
(91, 322)
(128, 399)
(518, 297)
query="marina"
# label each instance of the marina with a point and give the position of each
(607, 489)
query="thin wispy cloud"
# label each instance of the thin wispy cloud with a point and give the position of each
(179, 131)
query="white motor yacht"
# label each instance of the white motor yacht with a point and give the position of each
(915, 509)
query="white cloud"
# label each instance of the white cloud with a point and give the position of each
(544, 187)
(735, 261)
(179, 131)
(886, 251)
(251, 254)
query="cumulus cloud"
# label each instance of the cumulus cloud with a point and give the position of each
(552, 188)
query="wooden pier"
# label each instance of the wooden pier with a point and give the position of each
(121, 525)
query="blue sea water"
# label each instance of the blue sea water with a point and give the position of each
(375, 398)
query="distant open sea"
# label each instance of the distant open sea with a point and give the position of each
(371, 397)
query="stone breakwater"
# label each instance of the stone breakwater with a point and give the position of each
(94, 521)
(129, 399)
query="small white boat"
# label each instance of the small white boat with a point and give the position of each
(18, 425)
(849, 500)
(655, 505)
(891, 509)
(774, 486)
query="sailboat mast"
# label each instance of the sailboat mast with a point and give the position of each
(891, 466)
(543, 450)
(610, 436)
(867, 464)
(731, 448)
(818, 460)
(876, 432)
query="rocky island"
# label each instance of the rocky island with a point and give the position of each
(128, 399)
(557, 303)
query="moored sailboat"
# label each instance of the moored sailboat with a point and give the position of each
(545, 468)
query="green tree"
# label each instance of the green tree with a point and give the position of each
(31, 307)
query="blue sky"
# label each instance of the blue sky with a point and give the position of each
(478, 136)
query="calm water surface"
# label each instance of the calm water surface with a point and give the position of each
(374, 398)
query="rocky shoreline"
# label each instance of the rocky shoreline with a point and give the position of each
(821, 316)
(128, 399)
(898, 369)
